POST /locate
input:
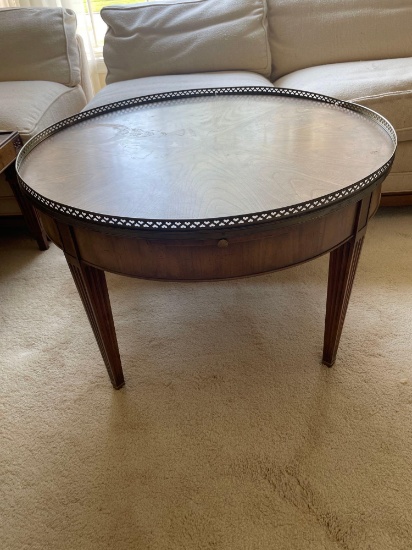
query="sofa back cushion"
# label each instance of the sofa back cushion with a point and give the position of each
(305, 33)
(39, 44)
(185, 36)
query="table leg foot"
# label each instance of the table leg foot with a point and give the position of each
(92, 288)
(342, 268)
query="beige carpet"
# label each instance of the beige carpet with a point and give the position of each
(229, 434)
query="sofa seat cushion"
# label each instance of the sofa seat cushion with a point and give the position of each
(400, 176)
(29, 107)
(185, 36)
(384, 86)
(138, 87)
(399, 179)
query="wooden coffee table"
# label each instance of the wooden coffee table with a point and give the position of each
(10, 145)
(209, 184)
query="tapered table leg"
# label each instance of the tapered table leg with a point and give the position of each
(29, 213)
(92, 287)
(342, 268)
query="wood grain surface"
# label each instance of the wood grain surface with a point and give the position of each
(207, 157)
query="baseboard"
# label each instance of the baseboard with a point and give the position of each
(396, 199)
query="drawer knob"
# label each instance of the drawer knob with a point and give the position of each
(223, 243)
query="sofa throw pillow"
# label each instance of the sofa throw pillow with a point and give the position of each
(39, 44)
(185, 36)
(306, 33)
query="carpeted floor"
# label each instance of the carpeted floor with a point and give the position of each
(229, 434)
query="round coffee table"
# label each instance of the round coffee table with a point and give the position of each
(208, 184)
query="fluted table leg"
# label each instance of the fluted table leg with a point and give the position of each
(342, 269)
(343, 262)
(92, 288)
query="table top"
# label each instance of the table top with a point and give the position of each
(216, 157)
(6, 136)
(10, 144)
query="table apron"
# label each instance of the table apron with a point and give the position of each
(209, 259)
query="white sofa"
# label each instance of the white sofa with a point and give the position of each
(357, 50)
(43, 76)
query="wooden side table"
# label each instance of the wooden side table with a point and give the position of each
(10, 144)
